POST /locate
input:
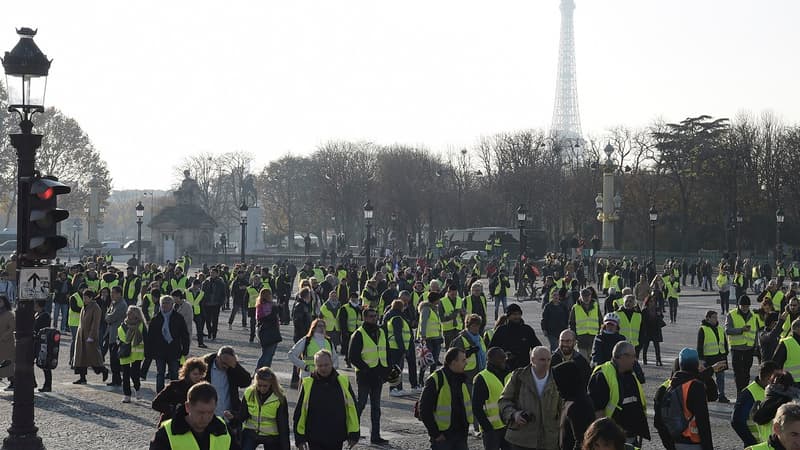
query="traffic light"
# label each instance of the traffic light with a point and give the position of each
(47, 342)
(43, 238)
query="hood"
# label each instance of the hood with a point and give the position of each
(567, 377)
(109, 277)
(779, 390)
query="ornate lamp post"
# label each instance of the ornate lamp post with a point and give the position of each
(522, 218)
(223, 242)
(368, 211)
(608, 203)
(139, 220)
(26, 69)
(393, 217)
(243, 222)
(653, 219)
(779, 217)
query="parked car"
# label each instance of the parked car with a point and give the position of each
(469, 254)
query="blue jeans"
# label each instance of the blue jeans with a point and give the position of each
(161, 368)
(497, 301)
(266, 356)
(720, 379)
(60, 310)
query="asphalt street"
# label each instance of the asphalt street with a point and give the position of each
(92, 416)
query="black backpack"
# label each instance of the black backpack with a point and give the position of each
(671, 409)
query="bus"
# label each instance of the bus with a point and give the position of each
(475, 239)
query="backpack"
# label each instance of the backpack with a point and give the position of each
(438, 378)
(671, 409)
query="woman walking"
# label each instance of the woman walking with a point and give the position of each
(87, 339)
(302, 353)
(131, 335)
(652, 321)
(264, 413)
(269, 332)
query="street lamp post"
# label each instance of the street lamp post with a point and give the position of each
(223, 242)
(779, 217)
(522, 218)
(243, 222)
(739, 221)
(26, 69)
(393, 217)
(653, 219)
(368, 211)
(139, 220)
(608, 204)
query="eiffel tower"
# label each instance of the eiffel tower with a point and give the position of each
(566, 125)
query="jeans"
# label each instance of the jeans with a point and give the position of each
(373, 391)
(495, 440)
(265, 360)
(553, 340)
(251, 440)
(212, 320)
(60, 310)
(161, 368)
(199, 323)
(742, 361)
(237, 306)
(720, 383)
(497, 301)
(131, 372)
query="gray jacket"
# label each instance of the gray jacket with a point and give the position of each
(115, 314)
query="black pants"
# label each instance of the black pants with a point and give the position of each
(724, 302)
(373, 391)
(83, 370)
(212, 320)
(411, 359)
(48, 379)
(199, 324)
(495, 440)
(251, 313)
(130, 372)
(656, 346)
(116, 370)
(345, 346)
(742, 361)
(325, 445)
(673, 309)
(237, 306)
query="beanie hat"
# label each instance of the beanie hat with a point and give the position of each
(744, 300)
(513, 308)
(688, 359)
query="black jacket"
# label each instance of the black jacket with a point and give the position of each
(702, 391)
(584, 368)
(427, 404)
(327, 419)
(157, 348)
(179, 426)
(775, 395)
(517, 339)
(171, 399)
(578, 411)
(603, 346)
(216, 292)
(237, 378)
(555, 318)
(301, 318)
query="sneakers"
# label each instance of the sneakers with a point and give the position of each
(378, 441)
(396, 393)
(723, 399)
(202, 346)
(136, 394)
(80, 381)
(126, 399)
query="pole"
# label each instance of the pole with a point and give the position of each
(367, 247)
(778, 249)
(23, 432)
(244, 238)
(653, 244)
(138, 244)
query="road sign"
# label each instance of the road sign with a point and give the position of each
(34, 283)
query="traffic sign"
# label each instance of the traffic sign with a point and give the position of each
(34, 283)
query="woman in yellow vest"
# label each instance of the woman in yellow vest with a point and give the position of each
(302, 353)
(264, 413)
(131, 334)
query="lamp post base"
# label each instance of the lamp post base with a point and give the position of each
(23, 442)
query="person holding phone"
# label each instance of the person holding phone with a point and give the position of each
(712, 347)
(741, 327)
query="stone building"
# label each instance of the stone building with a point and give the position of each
(183, 228)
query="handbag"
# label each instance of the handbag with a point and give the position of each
(124, 350)
(424, 354)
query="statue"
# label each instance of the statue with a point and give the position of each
(249, 193)
(189, 192)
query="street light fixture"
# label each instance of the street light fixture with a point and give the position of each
(368, 212)
(26, 69)
(653, 219)
(243, 222)
(779, 218)
(139, 220)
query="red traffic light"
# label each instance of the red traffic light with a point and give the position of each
(56, 337)
(46, 194)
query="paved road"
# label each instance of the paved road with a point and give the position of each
(92, 416)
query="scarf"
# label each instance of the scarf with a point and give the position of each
(475, 339)
(132, 331)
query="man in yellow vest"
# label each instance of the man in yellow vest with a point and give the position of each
(617, 394)
(585, 321)
(787, 354)
(445, 406)
(195, 296)
(399, 339)
(195, 425)
(452, 311)
(741, 420)
(630, 322)
(785, 429)
(325, 415)
(712, 347)
(131, 287)
(487, 386)
(367, 353)
(742, 326)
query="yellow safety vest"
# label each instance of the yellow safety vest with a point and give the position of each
(150, 306)
(311, 349)
(130, 291)
(351, 416)
(405, 330)
(586, 323)
(777, 298)
(263, 416)
(614, 397)
(713, 340)
(760, 432)
(433, 328)
(341, 274)
(472, 360)
(447, 308)
(329, 317)
(352, 317)
(373, 353)
(606, 280)
(179, 284)
(186, 441)
(252, 296)
(74, 318)
(137, 351)
(444, 402)
(495, 388)
(417, 297)
(747, 338)
(672, 289)
(630, 327)
(614, 282)
(761, 446)
(792, 363)
(109, 284)
(94, 285)
(194, 300)
(468, 305)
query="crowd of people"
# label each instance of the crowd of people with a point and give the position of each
(581, 389)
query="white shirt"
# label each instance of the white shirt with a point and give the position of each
(540, 382)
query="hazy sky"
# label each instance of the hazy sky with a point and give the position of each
(153, 81)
